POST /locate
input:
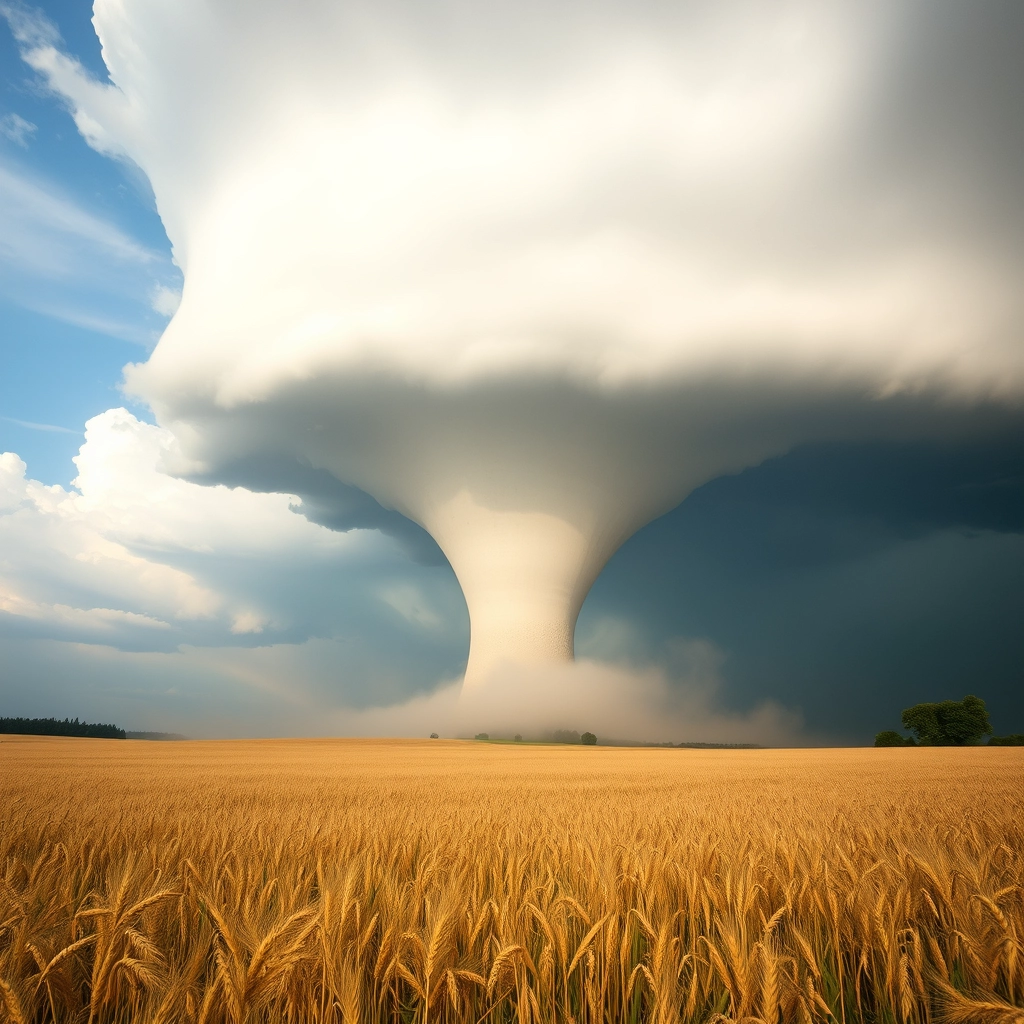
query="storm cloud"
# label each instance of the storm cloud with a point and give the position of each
(527, 277)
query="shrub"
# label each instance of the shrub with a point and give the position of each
(433, 735)
(1016, 740)
(589, 739)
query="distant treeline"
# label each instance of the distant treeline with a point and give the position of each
(56, 727)
(589, 739)
(706, 746)
(571, 736)
(722, 746)
(1016, 740)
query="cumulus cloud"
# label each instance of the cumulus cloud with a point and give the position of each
(528, 276)
(130, 550)
(55, 549)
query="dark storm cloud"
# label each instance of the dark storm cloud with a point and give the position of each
(847, 580)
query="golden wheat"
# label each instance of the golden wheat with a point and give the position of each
(373, 881)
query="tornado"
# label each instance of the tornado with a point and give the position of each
(529, 275)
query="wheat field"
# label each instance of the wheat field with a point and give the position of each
(387, 881)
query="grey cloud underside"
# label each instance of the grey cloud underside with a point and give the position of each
(325, 499)
(542, 443)
(604, 461)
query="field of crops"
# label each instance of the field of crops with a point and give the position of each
(371, 881)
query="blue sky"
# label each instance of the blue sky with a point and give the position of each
(832, 584)
(84, 251)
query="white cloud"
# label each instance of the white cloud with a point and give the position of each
(124, 492)
(409, 205)
(54, 547)
(164, 300)
(29, 25)
(49, 428)
(95, 622)
(17, 129)
(112, 540)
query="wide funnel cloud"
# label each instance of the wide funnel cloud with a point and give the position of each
(527, 273)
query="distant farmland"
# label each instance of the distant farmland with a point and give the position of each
(376, 881)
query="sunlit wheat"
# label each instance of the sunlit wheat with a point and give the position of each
(372, 881)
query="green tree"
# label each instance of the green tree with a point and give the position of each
(923, 721)
(589, 739)
(891, 738)
(949, 723)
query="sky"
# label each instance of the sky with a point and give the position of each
(208, 541)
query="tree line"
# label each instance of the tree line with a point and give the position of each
(59, 727)
(558, 736)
